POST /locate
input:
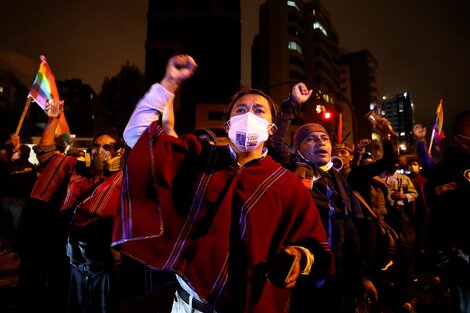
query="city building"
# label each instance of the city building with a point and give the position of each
(297, 42)
(194, 28)
(13, 96)
(359, 85)
(399, 110)
(79, 106)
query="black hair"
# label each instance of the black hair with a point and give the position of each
(206, 134)
(272, 105)
(366, 155)
(413, 160)
(459, 122)
(111, 132)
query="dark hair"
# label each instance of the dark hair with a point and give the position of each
(413, 160)
(111, 132)
(243, 92)
(366, 155)
(206, 134)
(459, 122)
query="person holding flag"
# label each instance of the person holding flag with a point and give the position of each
(437, 132)
(71, 208)
(424, 152)
(449, 189)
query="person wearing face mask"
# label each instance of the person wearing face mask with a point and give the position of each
(448, 190)
(236, 228)
(78, 200)
(420, 205)
(311, 160)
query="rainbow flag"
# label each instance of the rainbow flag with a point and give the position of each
(44, 87)
(437, 127)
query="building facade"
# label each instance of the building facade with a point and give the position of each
(79, 106)
(297, 42)
(359, 84)
(399, 110)
(194, 27)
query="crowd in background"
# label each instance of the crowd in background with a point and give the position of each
(342, 217)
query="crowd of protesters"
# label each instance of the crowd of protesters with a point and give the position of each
(258, 225)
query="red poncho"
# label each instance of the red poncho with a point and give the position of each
(189, 208)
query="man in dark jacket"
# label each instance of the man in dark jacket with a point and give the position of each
(449, 190)
(338, 206)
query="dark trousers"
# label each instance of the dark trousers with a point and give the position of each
(91, 290)
(402, 223)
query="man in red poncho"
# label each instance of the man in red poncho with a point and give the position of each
(220, 217)
(80, 199)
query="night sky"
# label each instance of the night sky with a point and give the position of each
(422, 47)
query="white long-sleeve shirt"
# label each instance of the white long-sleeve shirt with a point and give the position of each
(147, 110)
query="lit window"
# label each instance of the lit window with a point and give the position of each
(292, 45)
(293, 4)
(317, 25)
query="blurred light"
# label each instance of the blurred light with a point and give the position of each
(292, 45)
(317, 25)
(319, 108)
(294, 5)
(327, 115)
(403, 147)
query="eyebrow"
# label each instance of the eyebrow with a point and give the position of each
(256, 105)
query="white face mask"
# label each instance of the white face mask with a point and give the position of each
(248, 131)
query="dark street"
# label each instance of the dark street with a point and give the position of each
(394, 292)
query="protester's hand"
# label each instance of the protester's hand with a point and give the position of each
(60, 109)
(285, 268)
(179, 68)
(419, 132)
(369, 290)
(398, 195)
(363, 143)
(384, 128)
(295, 272)
(14, 142)
(300, 93)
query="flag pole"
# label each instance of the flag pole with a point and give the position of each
(431, 140)
(25, 110)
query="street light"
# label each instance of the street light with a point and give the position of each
(339, 97)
